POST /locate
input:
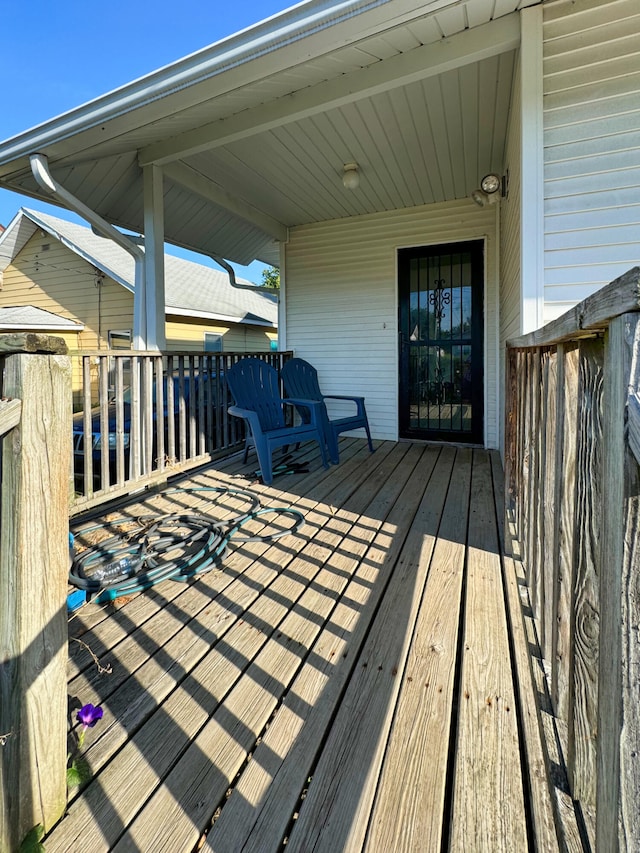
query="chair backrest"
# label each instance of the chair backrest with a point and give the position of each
(254, 385)
(301, 379)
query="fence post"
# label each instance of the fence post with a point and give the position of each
(618, 764)
(34, 518)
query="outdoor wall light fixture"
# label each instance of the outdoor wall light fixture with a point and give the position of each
(490, 184)
(488, 192)
(351, 178)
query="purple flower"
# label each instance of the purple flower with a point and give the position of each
(89, 715)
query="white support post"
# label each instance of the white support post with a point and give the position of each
(154, 258)
(282, 300)
(532, 172)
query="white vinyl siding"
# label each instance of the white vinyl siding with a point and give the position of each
(591, 146)
(342, 304)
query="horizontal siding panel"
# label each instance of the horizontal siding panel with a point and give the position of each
(595, 183)
(590, 237)
(601, 127)
(588, 49)
(626, 141)
(589, 110)
(581, 220)
(592, 91)
(588, 274)
(609, 253)
(616, 161)
(603, 201)
(564, 18)
(563, 294)
(620, 66)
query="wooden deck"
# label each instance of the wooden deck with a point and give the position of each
(348, 687)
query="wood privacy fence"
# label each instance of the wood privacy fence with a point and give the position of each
(35, 457)
(143, 416)
(572, 472)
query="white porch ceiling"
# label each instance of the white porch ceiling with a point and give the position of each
(417, 95)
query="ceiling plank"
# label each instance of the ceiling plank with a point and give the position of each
(470, 46)
(196, 182)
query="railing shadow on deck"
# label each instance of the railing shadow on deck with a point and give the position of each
(283, 564)
(105, 801)
(573, 484)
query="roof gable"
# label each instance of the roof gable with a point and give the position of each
(191, 289)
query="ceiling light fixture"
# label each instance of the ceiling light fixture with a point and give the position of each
(351, 178)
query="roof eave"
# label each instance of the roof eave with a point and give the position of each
(272, 34)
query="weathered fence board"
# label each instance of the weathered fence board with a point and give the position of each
(566, 426)
(549, 482)
(618, 716)
(33, 587)
(586, 605)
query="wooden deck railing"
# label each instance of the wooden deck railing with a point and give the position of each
(160, 413)
(573, 490)
(35, 424)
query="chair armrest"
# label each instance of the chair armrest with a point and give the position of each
(249, 415)
(316, 407)
(359, 401)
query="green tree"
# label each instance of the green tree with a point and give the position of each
(271, 278)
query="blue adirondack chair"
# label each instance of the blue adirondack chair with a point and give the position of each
(255, 388)
(301, 380)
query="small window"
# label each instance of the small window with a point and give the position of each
(119, 339)
(212, 342)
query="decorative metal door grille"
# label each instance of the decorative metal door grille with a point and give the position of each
(441, 353)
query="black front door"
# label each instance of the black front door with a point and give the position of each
(441, 348)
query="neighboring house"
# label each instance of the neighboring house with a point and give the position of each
(26, 318)
(400, 280)
(61, 278)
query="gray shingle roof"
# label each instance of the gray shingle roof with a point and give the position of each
(30, 317)
(190, 288)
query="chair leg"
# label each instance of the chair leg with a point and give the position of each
(332, 443)
(264, 458)
(368, 431)
(323, 450)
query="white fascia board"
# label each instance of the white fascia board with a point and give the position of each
(42, 327)
(278, 33)
(225, 318)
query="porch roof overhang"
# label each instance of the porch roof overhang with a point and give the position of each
(252, 132)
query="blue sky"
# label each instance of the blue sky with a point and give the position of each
(56, 56)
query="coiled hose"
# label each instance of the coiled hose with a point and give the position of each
(166, 547)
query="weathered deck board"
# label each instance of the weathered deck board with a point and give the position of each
(488, 804)
(268, 792)
(411, 817)
(335, 811)
(307, 690)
